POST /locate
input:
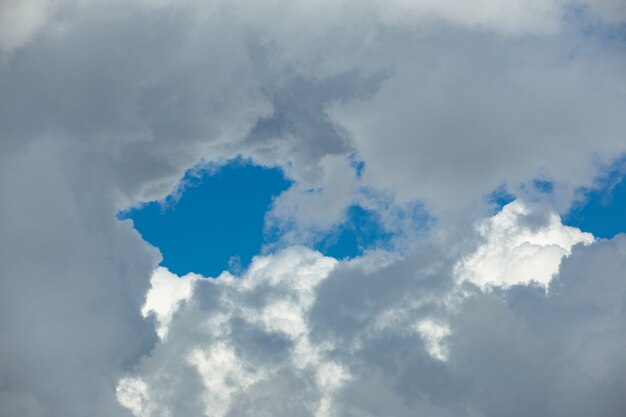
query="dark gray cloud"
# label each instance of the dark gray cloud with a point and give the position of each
(524, 352)
(72, 281)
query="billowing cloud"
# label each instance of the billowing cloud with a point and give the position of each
(105, 105)
(166, 293)
(240, 336)
(521, 246)
(457, 124)
(524, 352)
(303, 335)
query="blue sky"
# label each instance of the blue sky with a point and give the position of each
(361, 230)
(215, 220)
(602, 209)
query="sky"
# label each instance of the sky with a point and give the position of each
(214, 221)
(600, 209)
(312, 209)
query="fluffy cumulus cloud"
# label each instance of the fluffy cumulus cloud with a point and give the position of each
(104, 105)
(166, 293)
(300, 334)
(521, 246)
(522, 352)
(242, 344)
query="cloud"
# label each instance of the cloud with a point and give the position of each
(508, 17)
(458, 124)
(521, 246)
(165, 294)
(73, 279)
(610, 11)
(524, 352)
(304, 335)
(246, 333)
(105, 105)
(20, 21)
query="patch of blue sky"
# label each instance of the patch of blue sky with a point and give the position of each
(602, 209)
(357, 164)
(215, 222)
(378, 222)
(609, 35)
(362, 230)
(543, 186)
(499, 198)
(603, 33)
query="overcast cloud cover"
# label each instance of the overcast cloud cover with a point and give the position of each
(470, 312)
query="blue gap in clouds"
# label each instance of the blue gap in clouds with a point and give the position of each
(499, 198)
(603, 210)
(216, 224)
(543, 186)
(217, 221)
(356, 163)
(362, 230)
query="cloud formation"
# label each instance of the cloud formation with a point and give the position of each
(303, 335)
(522, 245)
(243, 335)
(105, 105)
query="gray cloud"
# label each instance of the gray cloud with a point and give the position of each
(72, 280)
(465, 113)
(510, 351)
(522, 352)
(105, 105)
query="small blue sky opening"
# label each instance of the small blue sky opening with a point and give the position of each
(499, 198)
(602, 210)
(356, 163)
(216, 223)
(362, 230)
(543, 186)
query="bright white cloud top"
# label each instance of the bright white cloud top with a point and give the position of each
(420, 112)
(521, 246)
(237, 340)
(166, 293)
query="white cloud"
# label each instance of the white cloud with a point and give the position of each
(300, 335)
(134, 394)
(223, 374)
(557, 349)
(434, 334)
(521, 246)
(20, 20)
(223, 342)
(166, 292)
